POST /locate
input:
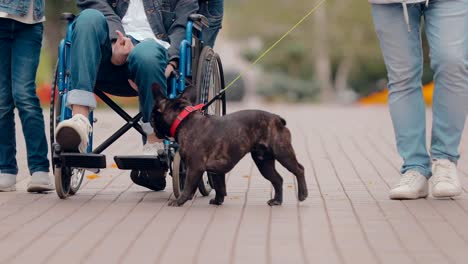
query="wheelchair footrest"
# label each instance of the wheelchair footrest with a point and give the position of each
(81, 160)
(140, 162)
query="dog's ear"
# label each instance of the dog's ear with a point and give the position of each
(190, 94)
(158, 93)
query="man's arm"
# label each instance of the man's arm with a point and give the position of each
(176, 32)
(113, 20)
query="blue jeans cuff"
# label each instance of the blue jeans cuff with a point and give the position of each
(426, 172)
(81, 97)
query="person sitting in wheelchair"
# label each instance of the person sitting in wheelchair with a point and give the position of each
(122, 47)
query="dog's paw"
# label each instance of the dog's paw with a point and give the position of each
(173, 203)
(215, 202)
(274, 202)
(302, 197)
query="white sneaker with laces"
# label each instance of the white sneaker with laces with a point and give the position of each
(40, 182)
(412, 185)
(445, 182)
(152, 148)
(7, 182)
(73, 134)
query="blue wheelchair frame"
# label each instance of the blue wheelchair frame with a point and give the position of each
(176, 83)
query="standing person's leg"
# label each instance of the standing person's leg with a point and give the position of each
(26, 51)
(214, 11)
(90, 45)
(402, 51)
(8, 166)
(447, 33)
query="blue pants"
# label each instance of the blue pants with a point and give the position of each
(20, 47)
(446, 26)
(213, 10)
(91, 52)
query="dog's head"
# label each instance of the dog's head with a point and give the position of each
(165, 110)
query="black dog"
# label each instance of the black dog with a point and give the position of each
(216, 144)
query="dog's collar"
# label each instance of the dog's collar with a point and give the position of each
(182, 115)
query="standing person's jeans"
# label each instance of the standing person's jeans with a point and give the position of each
(446, 26)
(91, 52)
(20, 47)
(213, 10)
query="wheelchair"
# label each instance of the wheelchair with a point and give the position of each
(199, 67)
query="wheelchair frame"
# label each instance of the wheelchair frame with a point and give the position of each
(190, 50)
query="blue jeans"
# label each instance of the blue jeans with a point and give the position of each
(91, 52)
(20, 47)
(213, 10)
(446, 26)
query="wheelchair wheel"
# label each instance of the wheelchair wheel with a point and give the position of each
(71, 176)
(209, 82)
(62, 181)
(179, 172)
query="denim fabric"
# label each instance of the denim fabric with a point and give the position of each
(91, 52)
(213, 10)
(167, 18)
(21, 7)
(446, 25)
(20, 46)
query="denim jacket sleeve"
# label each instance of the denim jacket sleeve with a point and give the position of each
(176, 32)
(113, 20)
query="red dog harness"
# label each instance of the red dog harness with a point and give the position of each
(182, 115)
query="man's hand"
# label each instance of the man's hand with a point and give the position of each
(121, 49)
(170, 68)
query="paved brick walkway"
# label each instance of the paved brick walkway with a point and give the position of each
(350, 162)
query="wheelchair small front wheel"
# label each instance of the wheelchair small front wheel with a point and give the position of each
(76, 179)
(62, 181)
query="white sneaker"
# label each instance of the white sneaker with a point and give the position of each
(40, 182)
(152, 148)
(7, 182)
(412, 185)
(444, 181)
(73, 134)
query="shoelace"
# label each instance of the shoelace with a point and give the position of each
(443, 172)
(407, 178)
(85, 122)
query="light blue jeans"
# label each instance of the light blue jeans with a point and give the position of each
(446, 26)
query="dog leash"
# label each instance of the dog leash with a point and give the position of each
(223, 91)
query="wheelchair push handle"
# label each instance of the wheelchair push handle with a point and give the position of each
(200, 21)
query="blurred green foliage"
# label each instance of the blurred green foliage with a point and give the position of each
(346, 32)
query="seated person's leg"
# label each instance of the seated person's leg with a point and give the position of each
(146, 64)
(213, 10)
(90, 46)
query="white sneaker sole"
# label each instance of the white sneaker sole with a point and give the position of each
(409, 196)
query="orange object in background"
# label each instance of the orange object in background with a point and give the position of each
(381, 97)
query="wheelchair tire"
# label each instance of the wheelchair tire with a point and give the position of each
(178, 175)
(209, 82)
(76, 175)
(62, 181)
